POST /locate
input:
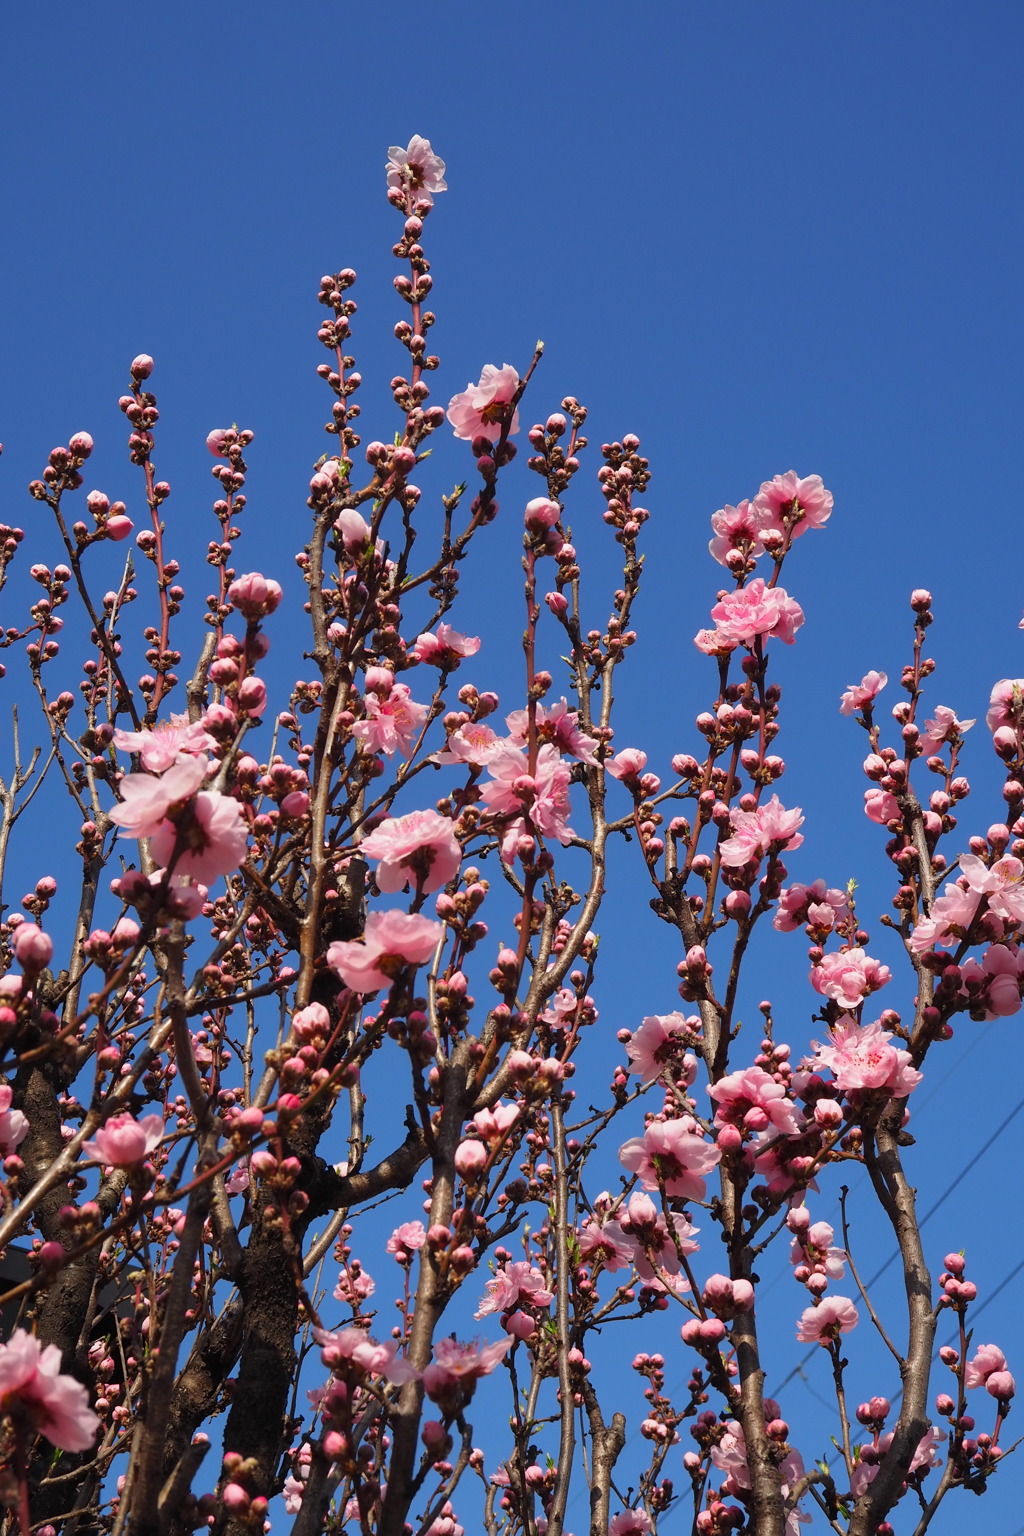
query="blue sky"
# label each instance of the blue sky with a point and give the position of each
(760, 236)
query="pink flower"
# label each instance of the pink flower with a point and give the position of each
(1002, 883)
(392, 724)
(753, 1099)
(512, 1286)
(36, 1396)
(881, 807)
(1006, 703)
(814, 1248)
(951, 916)
(860, 1056)
(493, 1123)
(558, 725)
(461, 1365)
(848, 976)
(471, 743)
(987, 1358)
(627, 765)
(406, 1240)
(146, 801)
(821, 1324)
(736, 527)
(420, 847)
(544, 795)
(789, 502)
(713, 642)
(416, 170)
(355, 1346)
(753, 611)
(656, 1251)
(210, 834)
(672, 1154)
(607, 1242)
(942, 728)
(926, 1454)
(631, 1522)
(994, 983)
(391, 941)
(162, 746)
(254, 596)
(482, 408)
(124, 1141)
(13, 1124)
(446, 648)
(859, 695)
(771, 828)
(658, 1043)
(816, 905)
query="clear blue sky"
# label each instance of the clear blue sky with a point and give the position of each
(761, 236)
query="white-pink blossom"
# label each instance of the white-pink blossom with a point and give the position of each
(481, 408)
(416, 170)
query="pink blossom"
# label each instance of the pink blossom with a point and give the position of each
(416, 170)
(995, 981)
(815, 1248)
(848, 976)
(816, 905)
(736, 527)
(472, 743)
(713, 642)
(124, 1141)
(493, 1123)
(1002, 883)
(420, 847)
(752, 1098)
(673, 1152)
(729, 1455)
(942, 728)
(355, 1346)
(392, 724)
(859, 695)
(391, 941)
(788, 502)
(470, 1159)
(821, 1324)
(544, 795)
(146, 801)
(951, 916)
(481, 408)
(210, 835)
(630, 1522)
(881, 807)
(163, 745)
(255, 596)
(627, 765)
(513, 1286)
(769, 828)
(656, 1251)
(13, 1124)
(657, 1044)
(407, 1239)
(35, 1394)
(987, 1358)
(556, 724)
(757, 611)
(445, 648)
(860, 1056)
(1006, 704)
(606, 1241)
(461, 1365)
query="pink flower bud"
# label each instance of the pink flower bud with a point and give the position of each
(470, 1157)
(33, 949)
(521, 1326)
(254, 595)
(1000, 1384)
(142, 366)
